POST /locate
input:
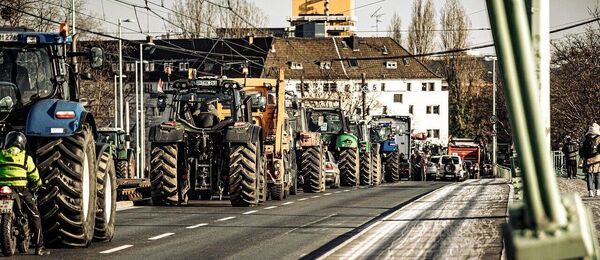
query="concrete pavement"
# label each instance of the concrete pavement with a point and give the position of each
(459, 221)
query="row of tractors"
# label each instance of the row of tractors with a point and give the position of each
(248, 140)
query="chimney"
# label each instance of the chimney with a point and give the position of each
(353, 42)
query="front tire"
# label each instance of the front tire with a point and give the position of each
(68, 201)
(366, 169)
(376, 167)
(122, 169)
(107, 194)
(392, 167)
(349, 166)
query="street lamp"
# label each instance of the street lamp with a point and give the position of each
(121, 71)
(493, 59)
(116, 102)
(150, 48)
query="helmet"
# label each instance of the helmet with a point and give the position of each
(15, 139)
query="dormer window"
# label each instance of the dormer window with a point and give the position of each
(296, 65)
(325, 65)
(391, 65)
(353, 62)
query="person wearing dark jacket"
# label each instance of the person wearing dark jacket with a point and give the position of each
(569, 151)
(590, 153)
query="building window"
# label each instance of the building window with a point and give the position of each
(423, 86)
(433, 110)
(325, 65)
(391, 65)
(300, 89)
(431, 86)
(149, 66)
(408, 86)
(115, 67)
(410, 109)
(353, 62)
(444, 87)
(168, 67)
(184, 66)
(382, 86)
(433, 133)
(384, 110)
(296, 65)
(397, 98)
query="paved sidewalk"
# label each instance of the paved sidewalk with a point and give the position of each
(459, 221)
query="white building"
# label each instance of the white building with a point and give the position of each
(397, 85)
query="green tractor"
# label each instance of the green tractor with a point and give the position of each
(122, 155)
(335, 134)
(370, 158)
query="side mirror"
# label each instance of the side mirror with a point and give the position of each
(262, 103)
(84, 102)
(161, 104)
(96, 57)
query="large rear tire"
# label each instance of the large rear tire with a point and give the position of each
(8, 241)
(349, 166)
(107, 194)
(376, 167)
(277, 192)
(67, 203)
(392, 167)
(311, 167)
(366, 169)
(163, 175)
(244, 175)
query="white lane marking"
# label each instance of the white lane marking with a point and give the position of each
(310, 223)
(127, 208)
(327, 194)
(224, 219)
(271, 207)
(115, 249)
(337, 192)
(198, 225)
(346, 190)
(161, 236)
(287, 203)
(249, 212)
(316, 196)
(302, 199)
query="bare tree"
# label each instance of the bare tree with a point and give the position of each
(421, 29)
(574, 84)
(223, 18)
(454, 24)
(395, 28)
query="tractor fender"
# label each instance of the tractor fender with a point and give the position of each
(346, 141)
(165, 134)
(243, 133)
(389, 146)
(42, 120)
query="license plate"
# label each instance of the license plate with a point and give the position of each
(8, 37)
(6, 206)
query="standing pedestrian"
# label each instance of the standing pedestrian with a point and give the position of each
(569, 151)
(590, 154)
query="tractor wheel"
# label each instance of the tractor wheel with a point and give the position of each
(349, 166)
(376, 167)
(107, 194)
(366, 170)
(392, 167)
(67, 201)
(277, 192)
(244, 175)
(122, 169)
(163, 175)
(311, 167)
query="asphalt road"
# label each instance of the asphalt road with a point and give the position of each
(305, 225)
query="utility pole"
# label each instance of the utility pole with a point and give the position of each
(494, 119)
(121, 72)
(143, 114)
(137, 120)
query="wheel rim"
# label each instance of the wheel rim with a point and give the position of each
(108, 197)
(85, 182)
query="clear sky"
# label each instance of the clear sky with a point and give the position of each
(562, 12)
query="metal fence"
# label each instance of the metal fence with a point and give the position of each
(559, 163)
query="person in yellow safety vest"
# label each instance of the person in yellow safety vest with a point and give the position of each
(18, 171)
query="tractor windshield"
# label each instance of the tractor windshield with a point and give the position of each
(29, 69)
(326, 122)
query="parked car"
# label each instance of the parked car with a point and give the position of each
(453, 168)
(332, 172)
(433, 167)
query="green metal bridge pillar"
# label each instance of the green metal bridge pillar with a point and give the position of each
(543, 225)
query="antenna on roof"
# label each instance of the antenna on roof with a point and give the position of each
(377, 17)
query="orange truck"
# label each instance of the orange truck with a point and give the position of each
(470, 153)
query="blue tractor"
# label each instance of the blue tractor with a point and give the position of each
(393, 134)
(39, 95)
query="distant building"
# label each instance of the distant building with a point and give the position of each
(320, 18)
